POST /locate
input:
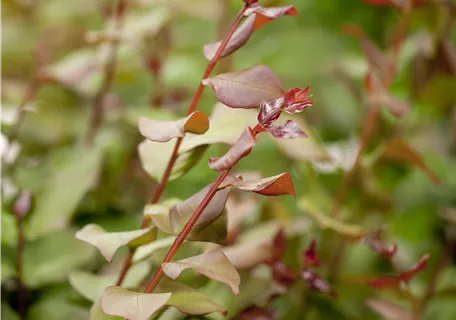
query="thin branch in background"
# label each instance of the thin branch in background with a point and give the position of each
(20, 209)
(193, 104)
(109, 74)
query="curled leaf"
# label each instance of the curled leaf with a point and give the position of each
(272, 186)
(296, 100)
(109, 242)
(239, 38)
(265, 15)
(375, 242)
(309, 256)
(180, 213)
(315, 282)
(238, 151)
(23, 204)
(247, 88)
(420, 265)
(194, 303)
(159, 214)
(213, 264)
(283, 274)
(163, 131)
(396, 149)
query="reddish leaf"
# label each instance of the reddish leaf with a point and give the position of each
(162, 131)
(283, 274)
(420, 265)
(240, 149)
(288, 130)
(22, 204)
(247, 88)
(239, 38)
(296, 100)
(315, 282)
(397, 149)
(373, 54)
(256, 313)
(270, 111)
(389, 310)
(375, 242)
(309, 256)
(272, 186)
(383, 282)
(279, 243)
(265, 15)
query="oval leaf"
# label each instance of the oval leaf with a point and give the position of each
(117, 301)
(162, 131)
(239, 150)
(265, 15)
(109, 242)
(272, 186)
(213, 264)
(239, 38)
(247, 88)
(180, 213)
(194, 303)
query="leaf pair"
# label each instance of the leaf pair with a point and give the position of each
(257, 17)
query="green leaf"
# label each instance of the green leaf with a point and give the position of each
(9, 229)
(109, 242)
(8, 312)
(117, 301)
(8, 269)
(91, 286)
(96, 312)
(213, 264)
(57, 202)
(51, 258)
(226, 125)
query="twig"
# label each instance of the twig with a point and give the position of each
(193, 104)
(109, 73)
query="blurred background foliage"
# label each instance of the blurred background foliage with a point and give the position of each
(73, 185)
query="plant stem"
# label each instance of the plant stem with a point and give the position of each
(109, 73)
(188, 227)
(20, 264)
(193, 104)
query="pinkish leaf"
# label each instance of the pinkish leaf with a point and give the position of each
(420, 265)
(283, 274)
(296, 100)
(309, 256)
(279, 244)
(180, 213)
(270, 111)
(265, 15)
(22, 204)
(239, 38)
(288, 130)
(389, 310)
(256, 313)
(272, 186)
(376, 243)
(240, 149)
(162, 131)
(315, 282)
(247, 88)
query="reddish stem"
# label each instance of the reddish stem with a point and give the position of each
(193, 104)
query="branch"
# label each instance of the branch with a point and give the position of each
(193, 104)
(109, 73)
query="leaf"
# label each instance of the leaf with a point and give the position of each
(326, 222)
(9, 229)
(315, 282)
(240, 253)
(96, 312)
(376, 243)
(226, 126)
(163, 131)
(159, 214)
(239, 150)
(51, 258)
(310, 256)
(239, 38)
(8, 269)
(246, 88)
(213, 264)
(389, 310)
(22, 204)
(265, 15)
(146, 250)
(59, 199)
(117, 301)
(396, 149)
(180, 213)
(281, 184)
(109, 242)
(420, 265)
(91, 286)
(288, 130)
